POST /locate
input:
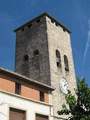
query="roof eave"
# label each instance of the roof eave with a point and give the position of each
(43, 14)
(26, 79)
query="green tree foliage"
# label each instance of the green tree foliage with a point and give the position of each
(78, 106)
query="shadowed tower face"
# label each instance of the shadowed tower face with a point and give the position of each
(32, 55)
(43, 53)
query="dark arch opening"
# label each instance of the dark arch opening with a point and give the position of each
(36, 52)
(26, 57)
(58, 58)
(66, 63)
(38, 20)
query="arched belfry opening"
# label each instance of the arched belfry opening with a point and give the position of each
(66, 63)
(58, 59)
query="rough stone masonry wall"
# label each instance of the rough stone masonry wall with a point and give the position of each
(28, 39)
(59, 39)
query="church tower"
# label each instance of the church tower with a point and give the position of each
(43, 53)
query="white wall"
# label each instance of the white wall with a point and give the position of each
(8, 100)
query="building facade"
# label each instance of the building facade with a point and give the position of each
(22, 98)
(43, 60)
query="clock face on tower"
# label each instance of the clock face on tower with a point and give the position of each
(64, 86)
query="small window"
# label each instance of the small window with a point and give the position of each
(58, 58)
(16, 114)
(66, 63)
(29, 25)
(22, 29)
(64, 29)
(52, 21)
(26, 57)
(36, 52)
(56, 24)
(36, 59)
(17, 88)
(41, 96)
(41, 117)
(38, 20)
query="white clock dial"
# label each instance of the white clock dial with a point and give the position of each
(64, 86)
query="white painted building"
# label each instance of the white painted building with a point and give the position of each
(31, 108)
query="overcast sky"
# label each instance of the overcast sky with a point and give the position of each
(73, 13)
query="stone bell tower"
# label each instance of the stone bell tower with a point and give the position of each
(43, 53)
